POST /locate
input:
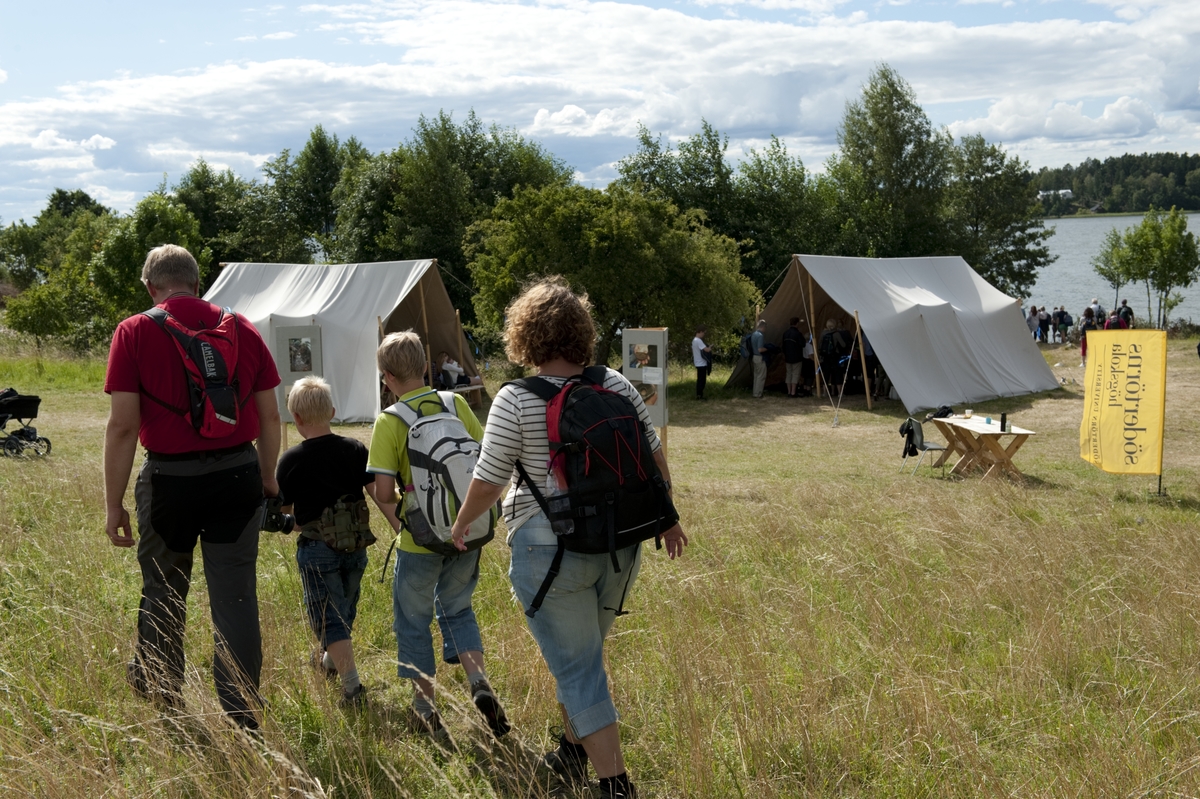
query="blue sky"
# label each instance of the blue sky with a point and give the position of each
(109, 97)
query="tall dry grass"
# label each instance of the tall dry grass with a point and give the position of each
(836, 628)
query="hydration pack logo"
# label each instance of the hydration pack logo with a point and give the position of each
(209, 358)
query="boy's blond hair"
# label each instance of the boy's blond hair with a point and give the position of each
(311, 400)
(402, 355)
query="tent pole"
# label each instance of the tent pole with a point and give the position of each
(812, 334)
(862, 358)
(425, 322)
(458, 322)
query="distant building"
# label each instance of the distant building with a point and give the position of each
(1066, 194)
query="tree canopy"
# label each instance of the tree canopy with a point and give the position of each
(1160, 253)
(640, 260)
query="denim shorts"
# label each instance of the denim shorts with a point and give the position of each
(425, 585)
(575, 617)
(331, 582)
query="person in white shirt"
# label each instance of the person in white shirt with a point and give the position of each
(701, 359)
(454, 375)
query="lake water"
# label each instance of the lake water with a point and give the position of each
(1072, 281)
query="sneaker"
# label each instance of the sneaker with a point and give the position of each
(430, 727)
(317, 661)
(567, 764)
(487, 703)
(356, 700)
(609, 790)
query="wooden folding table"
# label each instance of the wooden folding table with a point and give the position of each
(979, 445)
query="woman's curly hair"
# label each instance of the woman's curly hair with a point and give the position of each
(548, 320)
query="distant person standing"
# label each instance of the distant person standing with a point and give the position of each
(793, 355)
(1055, 323)
(1031, 321)
(1088, 324)
(702, 360)
(758, 351)
(1115, 322)
(1044, 324)
(1064, 323)
(1126, 313)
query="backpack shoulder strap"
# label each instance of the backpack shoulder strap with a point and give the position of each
(448, 402)
(596, 375)
(543, 389)
(403, 412)
(159, 315)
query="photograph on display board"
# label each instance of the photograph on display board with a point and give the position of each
(649, 392)
(643, 355)
(300, 354)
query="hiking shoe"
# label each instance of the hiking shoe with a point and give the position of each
(487, 704)
(355, 700)
(430, 727)
(610, 789)
(567, 763)
(317, 661)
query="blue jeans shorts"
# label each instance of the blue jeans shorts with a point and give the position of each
(331, 581)
(574, 618)
(425, 585)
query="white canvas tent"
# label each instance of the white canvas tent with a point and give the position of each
(348, 302)
(944, 335)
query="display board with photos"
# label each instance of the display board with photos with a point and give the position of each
(644, 363)
(297, 355)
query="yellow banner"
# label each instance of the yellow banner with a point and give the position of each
(1126, 391)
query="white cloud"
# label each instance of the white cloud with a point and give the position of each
(246, 39)
(574, 121)
(97, 142)
(50, 140)
(279, 36)
(3, 76)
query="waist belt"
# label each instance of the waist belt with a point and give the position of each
(203, 454)
(345, 527)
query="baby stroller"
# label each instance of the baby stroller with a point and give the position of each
(22, 408)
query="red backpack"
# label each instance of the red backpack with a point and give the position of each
(210, 359)
(610, 494)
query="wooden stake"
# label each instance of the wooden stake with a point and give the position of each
(862, 358)
(425, 323)
(283, 435)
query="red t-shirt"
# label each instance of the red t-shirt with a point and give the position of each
(145, 360)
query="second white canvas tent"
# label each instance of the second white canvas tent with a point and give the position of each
(348, 302)
(944, 334)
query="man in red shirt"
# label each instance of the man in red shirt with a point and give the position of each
(190, 487)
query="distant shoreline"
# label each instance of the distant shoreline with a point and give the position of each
(1107, 215)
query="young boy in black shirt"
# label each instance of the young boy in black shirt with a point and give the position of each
(323, 474)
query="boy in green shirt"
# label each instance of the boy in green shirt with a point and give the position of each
(425, 581)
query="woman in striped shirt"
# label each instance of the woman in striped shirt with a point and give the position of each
(550, 328)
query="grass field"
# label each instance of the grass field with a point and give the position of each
(836, 628)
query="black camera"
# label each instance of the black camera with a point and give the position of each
(275, 520)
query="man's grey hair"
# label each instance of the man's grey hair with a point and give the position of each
(170, 267)
(762, 322)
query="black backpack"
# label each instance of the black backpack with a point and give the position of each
(793, 345)
(611, 494)
(744, 346)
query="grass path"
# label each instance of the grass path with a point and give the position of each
(836, 628)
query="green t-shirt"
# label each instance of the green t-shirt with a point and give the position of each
(389, 446)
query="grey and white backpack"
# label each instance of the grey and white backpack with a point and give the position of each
(442, 456)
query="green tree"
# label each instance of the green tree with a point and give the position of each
(640, 260)
(1165, 256)
(30, 253)
(992, 215)
(1160, 253)
(117, 268)
(419, 200)
(67, 305)
(1112, 263)
(900, 163)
